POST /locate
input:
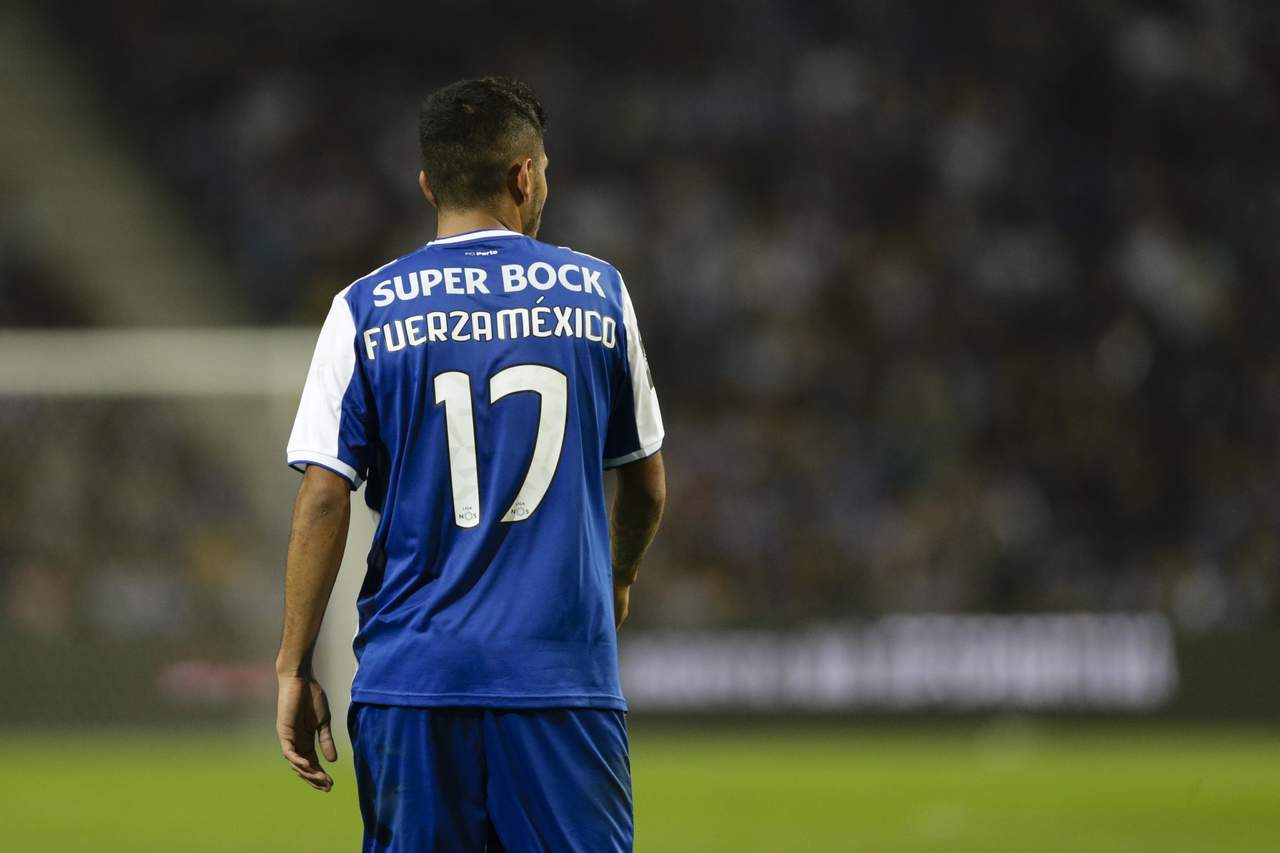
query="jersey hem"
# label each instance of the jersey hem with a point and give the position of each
(643, 453)
(300, 459)
(488, 700)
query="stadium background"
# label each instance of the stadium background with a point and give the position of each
(965, 320)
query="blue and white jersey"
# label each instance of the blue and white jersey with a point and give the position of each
(481, 385)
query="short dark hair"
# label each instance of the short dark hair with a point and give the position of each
(470, 132)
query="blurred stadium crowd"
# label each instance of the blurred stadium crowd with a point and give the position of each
(956, 307)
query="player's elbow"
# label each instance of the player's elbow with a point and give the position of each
(642, 486)
(323, 493)
(655, 496)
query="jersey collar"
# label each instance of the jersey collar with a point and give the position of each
(485, 234)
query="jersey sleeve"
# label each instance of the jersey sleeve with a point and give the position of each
(336, 421)
(635, 424)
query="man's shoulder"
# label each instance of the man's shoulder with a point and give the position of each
(572, 254)
(601, 274)
(378, 274)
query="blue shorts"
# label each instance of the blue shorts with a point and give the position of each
(476, 779)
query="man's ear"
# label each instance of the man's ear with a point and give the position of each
(426, 188)
(520, 181)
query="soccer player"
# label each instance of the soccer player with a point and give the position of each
(479, 386)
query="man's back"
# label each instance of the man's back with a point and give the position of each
(485, 380)
(481, 385)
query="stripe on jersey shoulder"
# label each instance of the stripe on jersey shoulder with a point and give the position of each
(585, 255)
(371, 274)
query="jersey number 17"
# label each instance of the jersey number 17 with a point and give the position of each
(453, 391)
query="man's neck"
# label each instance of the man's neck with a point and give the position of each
(451, 222)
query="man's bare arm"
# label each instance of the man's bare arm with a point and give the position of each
(316, 542)
(319, 535)
(637, 512)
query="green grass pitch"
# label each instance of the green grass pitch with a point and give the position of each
(991, 789)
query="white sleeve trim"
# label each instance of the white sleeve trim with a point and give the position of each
(648, 415)
(316, 429)
(642, 453)
(300, 459)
